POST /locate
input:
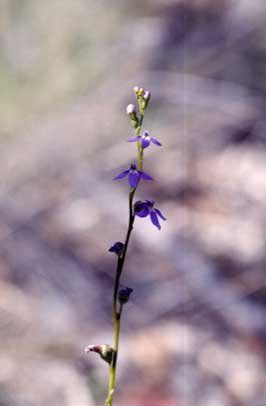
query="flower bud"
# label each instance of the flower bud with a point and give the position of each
(117, 248)
(105, 351)
(141, 91)
(131, 109)
(132, 113)
(144, 100)
(124, 294)
(136, 89)
(147, 95)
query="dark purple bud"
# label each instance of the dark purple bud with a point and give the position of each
(117, 248)
(124, 294)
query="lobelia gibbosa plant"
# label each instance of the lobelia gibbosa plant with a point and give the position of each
(139, 208)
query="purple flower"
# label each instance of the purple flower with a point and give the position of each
(145, 140)
(134, 176)
(144, 209)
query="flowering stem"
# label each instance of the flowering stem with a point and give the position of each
(120, 264)
(117, 313)
(140, 149)
(138, 208)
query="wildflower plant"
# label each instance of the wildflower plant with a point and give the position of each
(134, 175)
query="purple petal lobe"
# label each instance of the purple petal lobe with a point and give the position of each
(133, 179)
(134, 139)
(149, 204)
(145, 176)
(154, 219)
(160, 214)
(122, 175)
(156, 142)
(145, 143)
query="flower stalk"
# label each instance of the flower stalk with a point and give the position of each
(138, 209)
(120, 263)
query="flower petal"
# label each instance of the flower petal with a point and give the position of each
(134, 139)
(133, 178)
(145, 176)
(145, 143)
(160, 214)
(122, 175)
(156, 142)
(154, 219)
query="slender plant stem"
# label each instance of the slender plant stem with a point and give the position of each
(120, 264)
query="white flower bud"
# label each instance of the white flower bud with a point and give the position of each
(131, 109)
(147, 95)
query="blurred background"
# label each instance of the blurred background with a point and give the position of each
(194, 333)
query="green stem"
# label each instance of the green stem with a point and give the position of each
(140, 149)
(120, 264)
(112, 368)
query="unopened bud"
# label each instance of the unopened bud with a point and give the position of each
(141, 91)
(144, 101)
(124, 294)
(117, 248)
(147, 95)
(105, 351)
(136, 89)
(131, 109)
(132, 112)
